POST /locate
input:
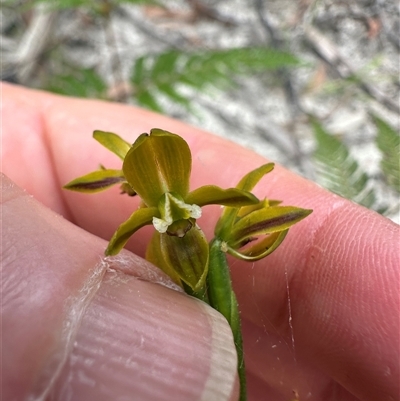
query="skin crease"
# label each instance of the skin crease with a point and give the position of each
(340, 265)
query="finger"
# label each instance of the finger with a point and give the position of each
(78, 326)
(335, 244)
(25, 155)
(332, 294)
(280, 370)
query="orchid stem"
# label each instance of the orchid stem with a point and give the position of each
(222, 298)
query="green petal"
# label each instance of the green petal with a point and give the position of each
(155, 256)
(112, 142)
(158, 163)
(265, 221)
(96, 181)
(250, 180)
(186, 256)
(213, 195)
(138, 219)
(261, 249)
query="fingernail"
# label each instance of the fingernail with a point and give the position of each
(143, 341)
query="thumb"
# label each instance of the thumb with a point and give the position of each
(80, 326)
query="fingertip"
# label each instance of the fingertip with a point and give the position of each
(140, 338)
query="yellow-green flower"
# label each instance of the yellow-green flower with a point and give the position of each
(240, 228)
(157, 168)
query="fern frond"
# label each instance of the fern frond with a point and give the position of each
(388, 141)
(79, 83)
(338, 171)
(148, 100)
(165, 72)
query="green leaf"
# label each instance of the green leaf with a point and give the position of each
(138, 219)
(112, 142)
(337, 170)
(388, 141)
(96, 181)
(265, 221)
(213, 195)
(158, 163)
(186, 256)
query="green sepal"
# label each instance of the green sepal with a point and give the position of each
(251, 179)
(265, 221)
(211, 194)
(154, 255)
(260, 249)
(96, 181)
(187, 257)
(158, 163)
(140, 218)
(247, 183)
(112, 142)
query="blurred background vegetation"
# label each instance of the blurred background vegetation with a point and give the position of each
(313, 85)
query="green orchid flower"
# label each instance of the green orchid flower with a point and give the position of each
(157, 168)
(240, 228)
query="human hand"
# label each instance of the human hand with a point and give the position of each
(320, 315)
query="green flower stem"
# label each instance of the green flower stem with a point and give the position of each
(223, 299)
